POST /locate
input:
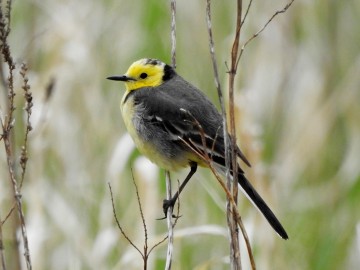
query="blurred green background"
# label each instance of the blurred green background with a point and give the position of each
(298, 121)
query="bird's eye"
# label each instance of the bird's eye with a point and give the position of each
(143, 75)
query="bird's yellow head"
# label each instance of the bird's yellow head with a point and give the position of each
(145, 73)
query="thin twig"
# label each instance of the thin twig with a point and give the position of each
(235, 252)
(174, 223)
(145, 254)
(9, 213)
(205, 157)
(157, 244)
(218, 87)
(263, 28)
(8, 123)
(169, 215)
(2, 256)
(119, 225)
(170, 224)
(217, 84)
(27, 108)
(173, 33)
(246, 13)
(17, 197)
(238, 218)
(235, 258)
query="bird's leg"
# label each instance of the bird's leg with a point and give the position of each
(171, 202)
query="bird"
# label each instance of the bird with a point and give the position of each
(171, 122)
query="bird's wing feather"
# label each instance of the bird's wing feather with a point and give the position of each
(181, 122)
(172, 109)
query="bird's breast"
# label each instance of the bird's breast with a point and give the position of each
(161, 152)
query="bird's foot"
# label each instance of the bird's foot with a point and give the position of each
(166, 205)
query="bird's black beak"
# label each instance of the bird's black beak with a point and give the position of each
(122, 78)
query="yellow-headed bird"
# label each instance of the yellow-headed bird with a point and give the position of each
(168, 118)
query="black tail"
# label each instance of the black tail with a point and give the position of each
(261, 205)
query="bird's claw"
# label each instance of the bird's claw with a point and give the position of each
(166, 205)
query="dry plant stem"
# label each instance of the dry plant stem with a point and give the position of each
(169, 216)
(9, 214)
(218, 86)
(246, 13)
(173, 33)
(2, 257)
(262, 29)
(170, 225)
(27, 108)
(146, 252)
(7, 136)
(7, 127)
(174, 223)
(206, 158)
(236, 216)
(7, 120)
(232, 224)
(232, 73)
(235, 257)
(17, 197)
(145, 255)
(118, 222)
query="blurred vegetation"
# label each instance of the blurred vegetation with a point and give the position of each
(298, 121)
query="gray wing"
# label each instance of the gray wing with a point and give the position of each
(185, 114)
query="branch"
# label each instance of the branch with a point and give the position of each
(206, 157)
(119, 225)
(234, 243)
(174, 224)
(246, 13)
(173, 33)
(218, 87)
(7, 124)
(27, 108)
(145, 254)
(263, 28)
(170, 225)
(146, 251)
(235, 257)
(2, 257)
(169, 215)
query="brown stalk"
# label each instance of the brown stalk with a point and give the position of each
(170, 224)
